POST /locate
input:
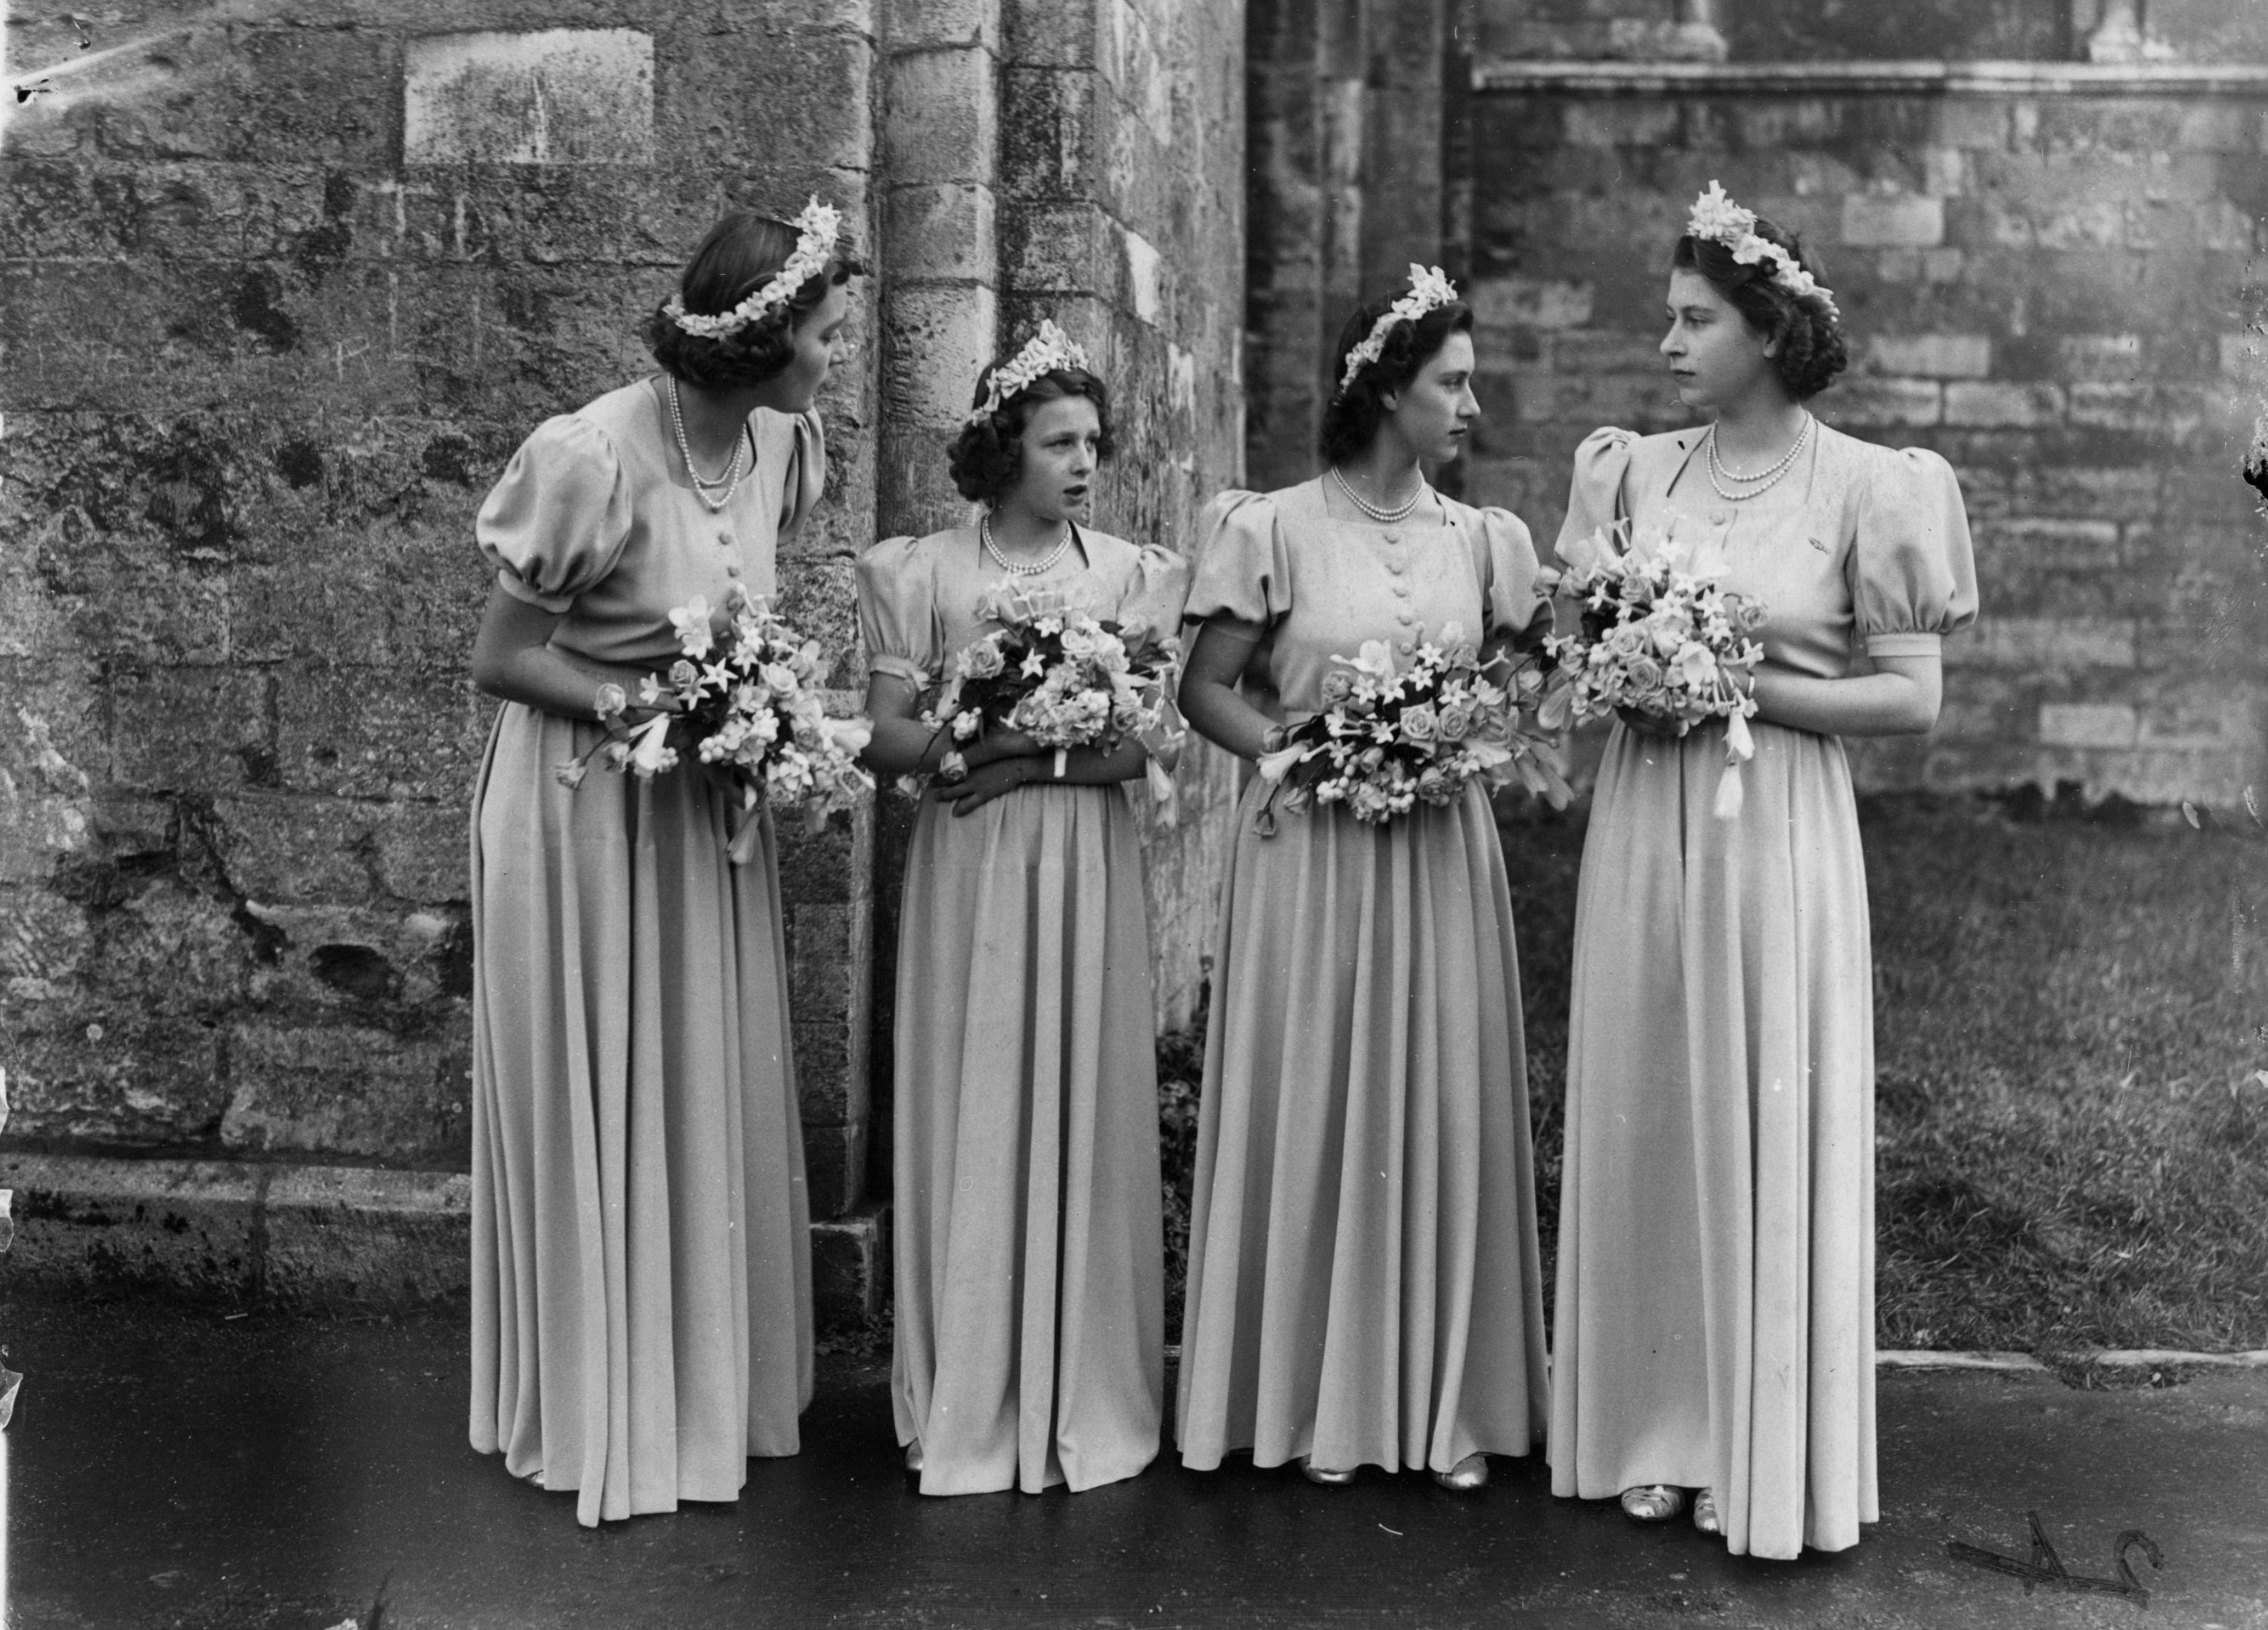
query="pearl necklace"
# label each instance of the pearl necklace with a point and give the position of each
(1762, 481)
(729, 481)
(1379, 512)
(1021, 568)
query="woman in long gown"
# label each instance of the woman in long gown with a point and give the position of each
(641, 1278)
(1029, 1283)
(1364, 1287)
(1714, 1324)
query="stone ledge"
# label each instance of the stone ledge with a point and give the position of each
(314, 1234)
(1926, 77)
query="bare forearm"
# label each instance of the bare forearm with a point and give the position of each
(1224, 717)
(552, 680)
(903, 746)
(1885, 704)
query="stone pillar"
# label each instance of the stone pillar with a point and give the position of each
(940, 155)
(1353, 110)
(1122, 218)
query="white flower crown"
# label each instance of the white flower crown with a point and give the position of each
(1718, 219)
(814, 246)
(1430, 289)
(1043, 354)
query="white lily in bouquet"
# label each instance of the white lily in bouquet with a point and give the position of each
(745, 699)
(1657, 632)
(1388, 739)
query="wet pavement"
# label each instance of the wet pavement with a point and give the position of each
(178, 1468)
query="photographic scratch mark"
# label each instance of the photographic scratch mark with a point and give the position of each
(2044, 1567)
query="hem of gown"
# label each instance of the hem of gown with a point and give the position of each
(1762, 1556)
(1015, 1483)
(1194, 1462)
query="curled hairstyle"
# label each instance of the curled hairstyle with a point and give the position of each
(1354, 414)
(737, 256)
(987, 458)
(1810, 352)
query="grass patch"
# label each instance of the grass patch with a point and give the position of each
(2072, 1150)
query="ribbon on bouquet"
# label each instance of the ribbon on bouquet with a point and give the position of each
(1739, 747)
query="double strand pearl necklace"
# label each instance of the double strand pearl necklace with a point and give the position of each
(1762, 481)
(729, 481)
(1379, 512)
(1021, 568)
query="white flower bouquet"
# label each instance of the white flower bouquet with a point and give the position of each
(1387, 740)
(1657, 632)
(1065, 679)
(744, 701)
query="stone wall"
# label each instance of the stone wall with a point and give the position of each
(282, 296)
(2046, 269)
(284, 286)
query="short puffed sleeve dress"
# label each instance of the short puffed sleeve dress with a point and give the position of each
(1714, 1319)
(1364, 1283)
(1030, 1245)
(641, 1277)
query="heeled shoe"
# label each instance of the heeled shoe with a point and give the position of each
(1467, 1475)
(1652, 1503)
(1329, 1478)
(1704, 1512)
(914, 1455)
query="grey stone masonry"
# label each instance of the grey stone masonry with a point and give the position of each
(279, 293)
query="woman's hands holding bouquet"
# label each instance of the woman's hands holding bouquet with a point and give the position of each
(743, 699)
(1051, 680)
(1659, 643)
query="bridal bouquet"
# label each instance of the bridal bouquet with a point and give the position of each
(1065, 680)
(1388, 740)
(743, 699)
(1656, 631)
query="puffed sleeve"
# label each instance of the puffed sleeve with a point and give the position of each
(897, 613)
(1244, 570)
(1595, 494)
(807, 471)
(1913, 574)
(1155, 592)
(1508, 555)
(556, 521)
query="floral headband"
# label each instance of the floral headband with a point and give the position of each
(1430, 290)
(1044, 353)
(814, 245)
(1716, 218)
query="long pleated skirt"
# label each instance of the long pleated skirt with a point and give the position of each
(1715, 1313)
(641, 1280)
(1364, 1285)
(1029, 1343)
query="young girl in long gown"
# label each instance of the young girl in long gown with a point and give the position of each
(1363, 1285)
(641, 1280)
(1714, 1324)
(1029, 1247)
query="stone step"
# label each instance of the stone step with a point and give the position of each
(344, 1235)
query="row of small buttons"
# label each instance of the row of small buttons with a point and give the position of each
(1404, 616)
(724, 540)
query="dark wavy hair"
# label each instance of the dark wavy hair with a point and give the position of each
(1811, 351)
(1353, 418)
(742, 253)
(988, 457)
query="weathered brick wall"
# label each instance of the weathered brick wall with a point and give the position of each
(2046, 271)
(281, 296)
(2044, 288)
